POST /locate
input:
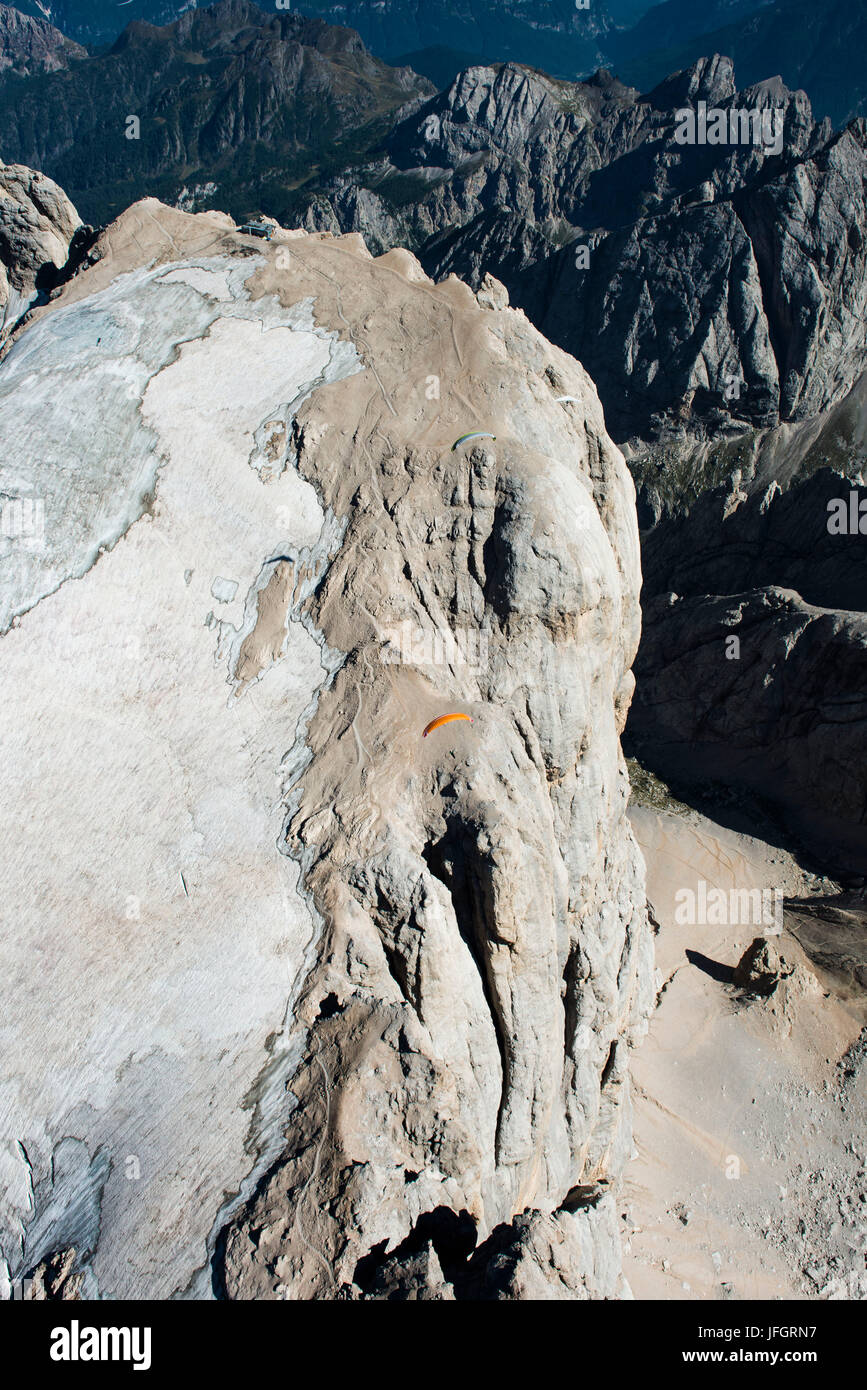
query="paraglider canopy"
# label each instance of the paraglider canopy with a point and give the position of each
(444, 719)
(475, 434)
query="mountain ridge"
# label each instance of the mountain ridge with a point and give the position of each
(31, 45)
(227, 94)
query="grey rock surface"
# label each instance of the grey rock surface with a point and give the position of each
(761, 538)
(29, 45)
(719, 283)
(572, 1253)
(763, 691)
(751, 533)
(458, 1055)
(37, 227)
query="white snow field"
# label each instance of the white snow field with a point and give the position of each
(153, 936)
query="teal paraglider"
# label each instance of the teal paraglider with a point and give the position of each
(476, 434)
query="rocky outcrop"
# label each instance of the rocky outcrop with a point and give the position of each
(764, 691)
(37, 227)
(54, 1280)
(755, 589)
(459, 884)
(705, 287)
(813, 48)
(403, 973)
(762, 969)
(571, 1253)
(30, 45)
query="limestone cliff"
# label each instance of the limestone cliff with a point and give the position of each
(366, 1030)
(37, 227)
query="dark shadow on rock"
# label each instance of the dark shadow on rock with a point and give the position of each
(832, 931)
(736, 808)
(452, 1235)
(723, 974)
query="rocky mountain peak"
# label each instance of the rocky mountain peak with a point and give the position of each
(37, 226)
(594, 208)
(486, 109)
(709, 79)
(431, 951)
(30, 45)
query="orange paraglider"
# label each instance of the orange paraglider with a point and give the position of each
(444, 719)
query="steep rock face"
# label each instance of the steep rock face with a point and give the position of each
(37, 226)
(718, 285)
(742, 536)
(761, 539)
(572, 1253)
(482, 922)
(809, 230)
(30, 45)
(403, 973)
(783, 712)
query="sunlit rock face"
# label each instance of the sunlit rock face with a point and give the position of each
(302, 1004)
(37, 227)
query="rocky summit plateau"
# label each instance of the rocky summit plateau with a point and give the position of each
(433, 619)
(365, 989)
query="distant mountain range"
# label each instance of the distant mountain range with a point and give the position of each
(666, 269)
(550, 34)
(669, 270)
(231, 96)
(819, 48)
(531, 31)
(101, 21)
(31, 45)
(674, 22)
